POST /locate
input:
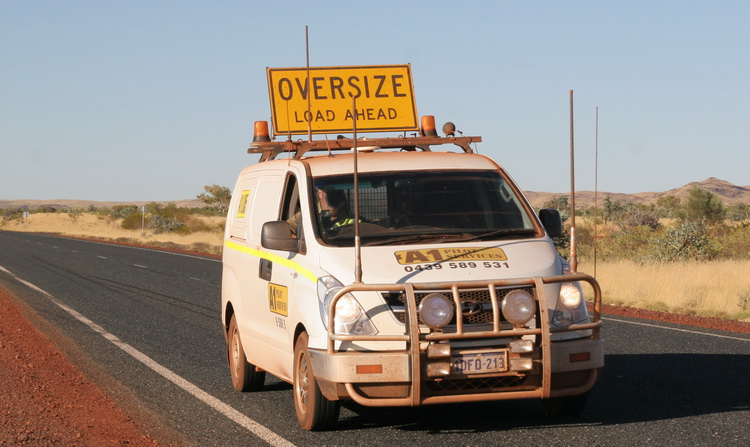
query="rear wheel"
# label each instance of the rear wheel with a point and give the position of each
(245, 377)
(314, 411)
(565, 406)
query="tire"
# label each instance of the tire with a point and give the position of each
(245, 377)
(314, 411)
(567, 406)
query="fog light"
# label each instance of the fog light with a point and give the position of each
(521, 364)
(519, 307)
(437, 369)
(521, 346)
(438, 350)
(436, 310)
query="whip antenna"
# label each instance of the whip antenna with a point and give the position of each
(573, 254)
(596, 188)
(357, 241)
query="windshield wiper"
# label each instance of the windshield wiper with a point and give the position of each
(416, 238)
(503, 233)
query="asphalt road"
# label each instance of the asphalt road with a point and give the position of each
(150, 322)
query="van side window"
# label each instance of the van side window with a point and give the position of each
(290, 209)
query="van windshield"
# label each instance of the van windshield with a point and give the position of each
(411, 207)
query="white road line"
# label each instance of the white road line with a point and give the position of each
(675, 329)
(101, 257)
(139, 248)
(199, 279)
(254, 427)
(140, 266)
(149, 249)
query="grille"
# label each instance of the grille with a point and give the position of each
(472, 300)
(486, 384)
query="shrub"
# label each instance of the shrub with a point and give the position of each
(161, 224)
(628, 243)
(688, 241)
(132, 221)
(735, 244)
(122, 211)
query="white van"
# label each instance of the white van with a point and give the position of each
(431, 282)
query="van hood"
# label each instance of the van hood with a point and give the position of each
(471, 261)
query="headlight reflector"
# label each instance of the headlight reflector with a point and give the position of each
(436, 310)
(519, 307)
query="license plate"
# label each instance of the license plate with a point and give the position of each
(479, 363)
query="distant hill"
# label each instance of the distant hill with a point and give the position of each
(729, 193)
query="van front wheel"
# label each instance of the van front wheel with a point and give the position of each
(245, 377)
(314, 411)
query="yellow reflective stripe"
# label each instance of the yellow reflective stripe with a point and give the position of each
(273, 258)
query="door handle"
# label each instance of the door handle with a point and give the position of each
(265, 269)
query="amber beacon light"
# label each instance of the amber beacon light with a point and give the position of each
(428, 126)
(260, 133)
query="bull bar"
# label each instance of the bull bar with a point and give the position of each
(411, 358)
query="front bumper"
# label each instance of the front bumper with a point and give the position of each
(408, 378)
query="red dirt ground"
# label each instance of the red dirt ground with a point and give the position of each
(46, 401)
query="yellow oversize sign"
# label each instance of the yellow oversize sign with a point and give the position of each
(385, 99)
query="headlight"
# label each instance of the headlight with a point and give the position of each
(519, 307)
(570, 295)
(571, 307)
(347, 309)
(349, 317)
(436, 310)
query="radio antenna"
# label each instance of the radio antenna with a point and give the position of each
(357, 241)
(573, 254)
(596, 188)
(309, 113)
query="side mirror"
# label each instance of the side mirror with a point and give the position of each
(277, 235)
(551, 221)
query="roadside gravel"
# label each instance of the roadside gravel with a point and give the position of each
(46, 401)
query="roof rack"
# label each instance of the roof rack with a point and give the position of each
(269, 150)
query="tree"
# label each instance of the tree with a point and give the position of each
(216, 197)
(669, 204)
(703, 206)
(635, 214)
(612, 208)
(562, 205)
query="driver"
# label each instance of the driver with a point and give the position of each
(334, 209)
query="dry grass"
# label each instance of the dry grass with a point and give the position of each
(716, 288)
(90, 225)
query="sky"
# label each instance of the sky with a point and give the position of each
(153, 100)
